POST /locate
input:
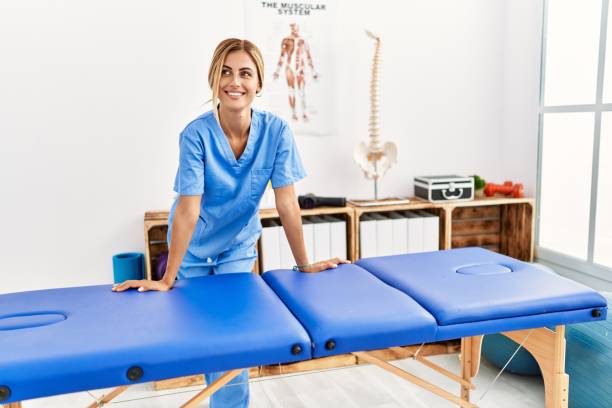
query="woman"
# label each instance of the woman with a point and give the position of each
(227, 157)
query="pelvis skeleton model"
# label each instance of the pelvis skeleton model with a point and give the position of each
(373, 159)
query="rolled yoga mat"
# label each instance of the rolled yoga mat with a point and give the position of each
(160, 270)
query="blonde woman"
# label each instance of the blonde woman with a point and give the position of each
(227, 157)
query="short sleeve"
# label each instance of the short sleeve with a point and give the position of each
(288, 167)
(190, 175)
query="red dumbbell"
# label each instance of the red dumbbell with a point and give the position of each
(516, 190)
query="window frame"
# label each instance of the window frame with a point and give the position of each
(547, 255)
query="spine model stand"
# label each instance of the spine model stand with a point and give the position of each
(373, 159)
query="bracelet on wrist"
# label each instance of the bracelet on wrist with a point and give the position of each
(299, 268)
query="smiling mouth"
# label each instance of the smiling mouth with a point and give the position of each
(234, 95)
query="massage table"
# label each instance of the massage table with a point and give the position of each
(66, 340)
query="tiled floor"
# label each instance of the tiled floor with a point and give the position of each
(360, 386)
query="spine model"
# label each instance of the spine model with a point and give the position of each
(373, 159)
(373, 128)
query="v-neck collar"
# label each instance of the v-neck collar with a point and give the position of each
(227, 148)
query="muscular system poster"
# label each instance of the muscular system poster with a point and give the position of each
(295, 38)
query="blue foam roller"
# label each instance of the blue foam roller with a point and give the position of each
(127, 266)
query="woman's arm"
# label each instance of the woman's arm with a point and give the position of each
(186, 216)
(289, 212)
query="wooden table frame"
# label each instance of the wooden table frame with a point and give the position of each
(546, 346)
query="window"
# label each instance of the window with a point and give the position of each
(575, 154)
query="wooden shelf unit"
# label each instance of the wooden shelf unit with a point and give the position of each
(155, 234)
(504, 225)
(346, 213)
(156, 229)
(413, 205)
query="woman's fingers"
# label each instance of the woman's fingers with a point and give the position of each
(120, 287)
(127, 285)
(142, 286)
(338, 261)
(324, 265)
(148, 285)
(333, 263)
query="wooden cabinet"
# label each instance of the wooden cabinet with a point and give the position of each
(155, 234)
(501, 225)
(504, 225)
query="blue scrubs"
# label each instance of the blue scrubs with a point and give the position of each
(231, 188)
(228, 227)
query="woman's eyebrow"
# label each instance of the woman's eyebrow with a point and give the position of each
(239, 69)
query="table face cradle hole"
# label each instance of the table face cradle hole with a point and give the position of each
(483, 269)
(30, 320)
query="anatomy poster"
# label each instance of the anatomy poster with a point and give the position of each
(296, 40)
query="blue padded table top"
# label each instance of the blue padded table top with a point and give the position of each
(470, 285)
(64, 340)
(352, 308)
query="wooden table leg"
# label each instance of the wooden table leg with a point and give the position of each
(548, 349)
(212, 388)
(414, 379)
(466, 366)
(470, 362)
(108, 397)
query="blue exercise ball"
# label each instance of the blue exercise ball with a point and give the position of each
(588, 360)
(497, 349)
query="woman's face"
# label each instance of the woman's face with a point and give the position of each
(239, 81)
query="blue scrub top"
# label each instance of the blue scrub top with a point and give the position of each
(232, 188)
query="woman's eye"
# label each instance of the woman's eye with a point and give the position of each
(226, 72)
(246, 74)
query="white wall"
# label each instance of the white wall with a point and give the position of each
(93, 96)
(440, 93)
(521, 90)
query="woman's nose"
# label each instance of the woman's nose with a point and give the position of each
(236, 80)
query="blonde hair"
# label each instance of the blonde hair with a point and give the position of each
(216, 65)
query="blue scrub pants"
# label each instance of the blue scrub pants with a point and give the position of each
(234, 394)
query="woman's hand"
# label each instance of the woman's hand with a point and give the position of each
(323, 265)
(142, 285)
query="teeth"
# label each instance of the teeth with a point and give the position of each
(234, 93)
